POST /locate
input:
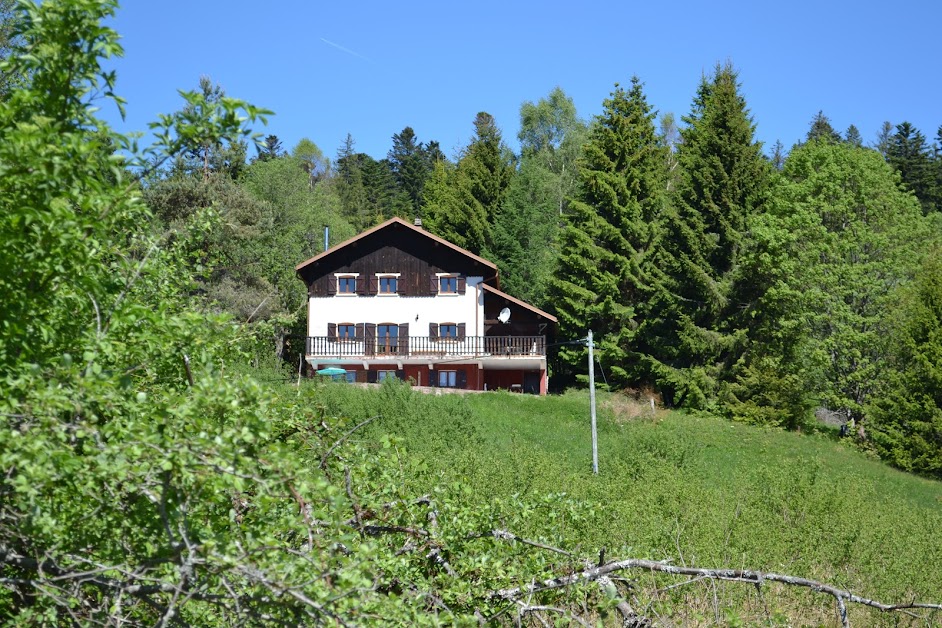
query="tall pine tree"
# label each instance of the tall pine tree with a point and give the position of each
(480, 183)
(599, 280)
(693, 327)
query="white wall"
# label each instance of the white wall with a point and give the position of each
(467, 308)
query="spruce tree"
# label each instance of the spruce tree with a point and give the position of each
(821, 129)
(852, 136)
(693, 325)
(351, 187)
(905, 417)
(409, 166)
(479, 183)
(909, 154)
(612, 222)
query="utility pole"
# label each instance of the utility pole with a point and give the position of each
(595, 438)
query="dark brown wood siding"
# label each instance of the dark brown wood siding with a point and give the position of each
(414, 257)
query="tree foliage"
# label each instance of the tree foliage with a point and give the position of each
(526, 232)
(479, 184)
(600, 280)
(695, 327)
(905, 414)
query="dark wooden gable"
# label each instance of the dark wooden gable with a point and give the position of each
(395, 248)
(525, 320)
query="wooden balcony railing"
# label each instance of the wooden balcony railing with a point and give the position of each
(428, 347)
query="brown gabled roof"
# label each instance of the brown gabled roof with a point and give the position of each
(395, 220)
(523, 304)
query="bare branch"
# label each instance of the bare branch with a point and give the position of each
(739, 575)
(345, 437)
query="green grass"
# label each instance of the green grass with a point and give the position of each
(695, 489)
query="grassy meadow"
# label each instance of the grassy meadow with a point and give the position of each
(693, 489)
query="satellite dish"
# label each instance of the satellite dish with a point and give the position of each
(504, 315)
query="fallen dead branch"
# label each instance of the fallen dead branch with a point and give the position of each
(757, 578)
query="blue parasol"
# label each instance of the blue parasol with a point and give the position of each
(332, 371)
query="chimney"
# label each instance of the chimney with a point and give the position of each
(417, 222)
(326, 237)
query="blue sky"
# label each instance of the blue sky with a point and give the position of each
(372, 68)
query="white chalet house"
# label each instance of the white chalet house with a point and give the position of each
(398, 301)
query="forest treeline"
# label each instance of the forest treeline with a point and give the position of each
(766, 287)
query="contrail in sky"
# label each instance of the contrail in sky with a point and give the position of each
(347, 50)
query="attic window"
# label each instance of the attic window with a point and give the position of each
(388, 283)
(448, 285)
(346, 283)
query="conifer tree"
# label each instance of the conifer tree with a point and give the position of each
(693, 326)
(599, 280)
(821, 129)
(909, 154)
(409, 166)
(905, 417)
(351, 187)
(852, 136)
(465, 214)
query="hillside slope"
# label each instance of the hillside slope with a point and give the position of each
(695, 490)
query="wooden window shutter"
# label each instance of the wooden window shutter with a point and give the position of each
(369, 338)
(404, 339)
(374, 284)
(401, 376)
(433, 285)
(461, 379)
(332, 331)
(433, 331)
(462, 284)
(461, 331)
(359, 332)
(371, 377)
(362, 286)
(331, 282)
(361, 376)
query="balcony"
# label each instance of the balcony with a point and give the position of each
(424, 348)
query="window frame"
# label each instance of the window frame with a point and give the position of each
(385, 374)
(387, 277)
(453, 337)
(451, 379)
(453, 283)
(458, 280)
(338, 277)
(351, 336)
(388, 348)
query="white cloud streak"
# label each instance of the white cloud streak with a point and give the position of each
(342, 49)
